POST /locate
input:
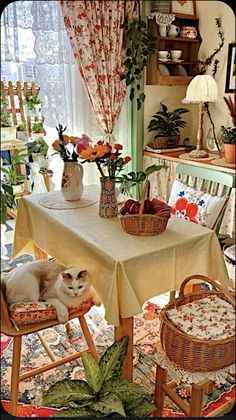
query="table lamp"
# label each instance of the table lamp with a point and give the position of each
(202, 88)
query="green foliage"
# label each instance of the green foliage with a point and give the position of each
(7, 200)
(139, 45)
(132, 179)
(105, 394)
(5, 120)
(12, 177)
(21, 126)
(228, 135)
(31, 101)
(167, 123)
(39, 147)
(37, 127)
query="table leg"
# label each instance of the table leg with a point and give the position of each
(126, 329)
(40, 254)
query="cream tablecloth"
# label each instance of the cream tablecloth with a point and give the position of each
(143, 266)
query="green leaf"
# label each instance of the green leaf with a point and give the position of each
(68, 390)
(92, 371)
(111, 362)
(108, 404)
(154, 168)
(142, 410)
(78, 412)
(125, 389)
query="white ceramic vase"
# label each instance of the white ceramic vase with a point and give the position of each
(72, 181)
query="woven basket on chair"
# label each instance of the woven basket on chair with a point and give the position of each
(144, 224)
(187, 351)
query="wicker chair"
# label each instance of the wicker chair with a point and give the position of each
(18, 333)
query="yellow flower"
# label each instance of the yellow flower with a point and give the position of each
(66, 139)
(73, 140)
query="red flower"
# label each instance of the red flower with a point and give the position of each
(113, 156)
(118, 146)
(127, 159)
(100, 142)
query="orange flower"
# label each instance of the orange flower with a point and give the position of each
(73, 139)
(56, 145)
(92, 153)
(66, 139)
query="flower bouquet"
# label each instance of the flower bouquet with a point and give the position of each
(109, 163)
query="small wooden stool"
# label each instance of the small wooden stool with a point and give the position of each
(195, 409)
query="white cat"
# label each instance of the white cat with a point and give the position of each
(50, 281)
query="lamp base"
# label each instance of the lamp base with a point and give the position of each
(198, 153)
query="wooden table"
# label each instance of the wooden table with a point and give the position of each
(126, 270)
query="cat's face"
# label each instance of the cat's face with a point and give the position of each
(75, 282)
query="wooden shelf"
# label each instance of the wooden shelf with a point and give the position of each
(178, 39)
(189, 47)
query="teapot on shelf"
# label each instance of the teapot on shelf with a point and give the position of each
(173, 30)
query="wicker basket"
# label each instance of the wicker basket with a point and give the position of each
(143, 224)
(193, 353)
(166, 142)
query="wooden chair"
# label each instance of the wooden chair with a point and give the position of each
(195, 408)
(8, 328)
(211, 181)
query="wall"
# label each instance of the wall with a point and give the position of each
(207, 11)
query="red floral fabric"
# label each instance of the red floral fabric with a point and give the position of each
(34, 312)
(94, 29)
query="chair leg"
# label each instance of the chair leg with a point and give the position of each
(88, 337)
(15, 373)
(159, 394)
(196, 400)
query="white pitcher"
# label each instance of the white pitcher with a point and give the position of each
(173, 30)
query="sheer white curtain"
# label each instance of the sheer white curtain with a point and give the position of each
(35, 46)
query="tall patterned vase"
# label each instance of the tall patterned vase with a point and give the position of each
(108, 206)
(72, 181)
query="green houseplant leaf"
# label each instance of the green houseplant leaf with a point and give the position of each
(109, 404)
(125, 389)
(79, 412)
(142, 410)
(68, 390)
(92, 371)
(112, 360)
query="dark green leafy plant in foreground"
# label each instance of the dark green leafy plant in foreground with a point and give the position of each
(104, 393)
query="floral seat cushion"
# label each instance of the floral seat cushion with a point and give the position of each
(210, 318)
(33, 312)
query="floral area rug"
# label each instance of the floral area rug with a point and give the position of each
(146, 333)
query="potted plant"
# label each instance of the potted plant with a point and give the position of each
(31, 102)
(37, 150)
(229, 133)
(167, 124)
(8, 131)
(11, 171)
(104, 393)
(21, 131)
(38, 130)
(7, 200)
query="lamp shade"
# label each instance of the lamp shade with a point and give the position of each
(202, 88)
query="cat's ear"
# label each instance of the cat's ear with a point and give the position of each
(66, 276)
(82, 274)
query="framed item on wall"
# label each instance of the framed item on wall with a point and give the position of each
(183, 8)
(231, 69)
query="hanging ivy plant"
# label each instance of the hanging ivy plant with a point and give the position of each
(139, 45)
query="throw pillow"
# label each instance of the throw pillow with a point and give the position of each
(196, 206)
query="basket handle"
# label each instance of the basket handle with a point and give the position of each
(145, 195)
(207, 280)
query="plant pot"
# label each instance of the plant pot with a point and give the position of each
(72, 181)
(8, 134)
(230, 153)
(165, 142)
(22, 135)
(18, 189)
(108, 206)
(37, 136)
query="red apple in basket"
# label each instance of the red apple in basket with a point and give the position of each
(128, 204)
(147, 207)
(134, 209)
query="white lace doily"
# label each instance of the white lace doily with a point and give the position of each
(188, 157)
(188, 376)
(221, 162)
(55, 200)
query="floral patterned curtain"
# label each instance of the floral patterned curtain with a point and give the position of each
(94, 29)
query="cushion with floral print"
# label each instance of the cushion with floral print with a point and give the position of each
(210, 318)
(33, 312)
(196, 206)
